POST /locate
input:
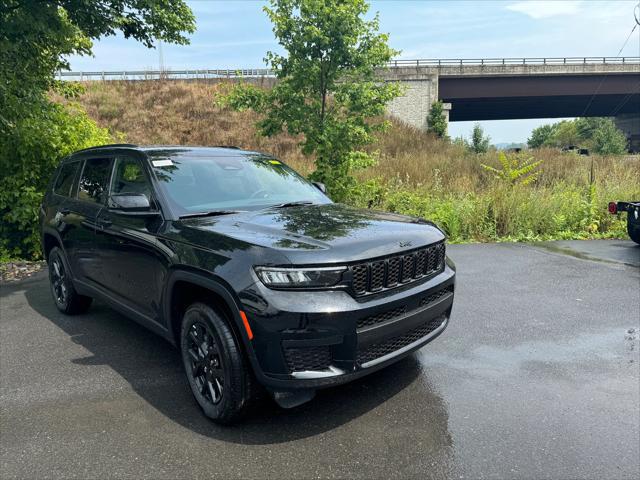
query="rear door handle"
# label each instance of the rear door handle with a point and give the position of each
(65, 211)
(104, 223)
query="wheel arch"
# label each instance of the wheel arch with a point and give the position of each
(186, 287)
(49, 240)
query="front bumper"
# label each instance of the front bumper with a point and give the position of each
(316, 339)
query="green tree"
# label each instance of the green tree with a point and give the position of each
(541, 135)
(599, 134)
(565, 135)
(587, 126)
(326, 89)
(36, 37)
(608, 139)
(436, 120)
(479, 141)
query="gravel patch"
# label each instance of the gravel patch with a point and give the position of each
(19, 270)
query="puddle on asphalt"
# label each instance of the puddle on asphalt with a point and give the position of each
(565, 250)
(620, 345)
(572, 253)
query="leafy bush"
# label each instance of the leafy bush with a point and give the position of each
(436, 120)
(503, 212)
(27, 160)
(515, 169)
(479, 142)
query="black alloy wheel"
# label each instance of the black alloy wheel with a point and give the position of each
(57, 278)
(218, 372)
(64, 294)
(206, 364)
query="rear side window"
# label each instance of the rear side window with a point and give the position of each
(65, 179)
(94, 180)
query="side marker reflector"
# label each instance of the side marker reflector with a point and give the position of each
(247, 327)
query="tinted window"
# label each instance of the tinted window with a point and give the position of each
(129, 177)
(93, 184)
(65, 179)
(246, 182)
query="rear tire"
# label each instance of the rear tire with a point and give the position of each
(216, 368)
(67, 300)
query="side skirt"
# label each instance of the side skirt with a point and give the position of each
(97, 292)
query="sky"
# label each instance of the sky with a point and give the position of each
(237, 34)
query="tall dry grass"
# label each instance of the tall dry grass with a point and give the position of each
(183, 112)
(177, 112)
(416, 173)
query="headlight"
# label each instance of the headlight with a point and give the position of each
(300, 277)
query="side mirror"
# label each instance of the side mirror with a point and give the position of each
(321, 187)
(131, 203)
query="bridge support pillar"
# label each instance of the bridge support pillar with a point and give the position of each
(420, 92)
(629, 123)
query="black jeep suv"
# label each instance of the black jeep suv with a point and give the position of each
(252, 271)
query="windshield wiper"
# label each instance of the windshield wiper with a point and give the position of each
(210, 213)
(293, 204)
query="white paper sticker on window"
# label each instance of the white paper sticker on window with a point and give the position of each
(162, 163)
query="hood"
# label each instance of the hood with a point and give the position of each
(329, 233)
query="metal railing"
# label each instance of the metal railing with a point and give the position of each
(475, 62)
(168, 74)
(445, 63)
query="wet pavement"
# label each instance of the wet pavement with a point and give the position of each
(536, 377)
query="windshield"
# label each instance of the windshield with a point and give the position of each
(244, 182)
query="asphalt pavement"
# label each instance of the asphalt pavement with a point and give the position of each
(537, 376)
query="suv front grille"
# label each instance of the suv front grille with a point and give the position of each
(371, 277)
(380, 317)
(436, 296)
(381, 349)
(398, 311)
(311, 358)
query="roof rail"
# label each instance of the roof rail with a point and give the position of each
(226, 146)
(110, 145)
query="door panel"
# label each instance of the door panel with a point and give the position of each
(79, 216)
(133, 263)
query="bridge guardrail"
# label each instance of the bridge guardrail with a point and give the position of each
(443, 63)
(461, 62)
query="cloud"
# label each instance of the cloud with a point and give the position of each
(538, 9)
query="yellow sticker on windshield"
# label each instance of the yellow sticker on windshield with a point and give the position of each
(275, 162)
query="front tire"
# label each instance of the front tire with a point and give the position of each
(216, 368)
(64, 294)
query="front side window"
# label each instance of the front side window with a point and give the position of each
(93, 183)
(245, 182)
(65, 179)
(129, 177)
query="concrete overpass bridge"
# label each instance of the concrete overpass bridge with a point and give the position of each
(480, 89)
(502, 89)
